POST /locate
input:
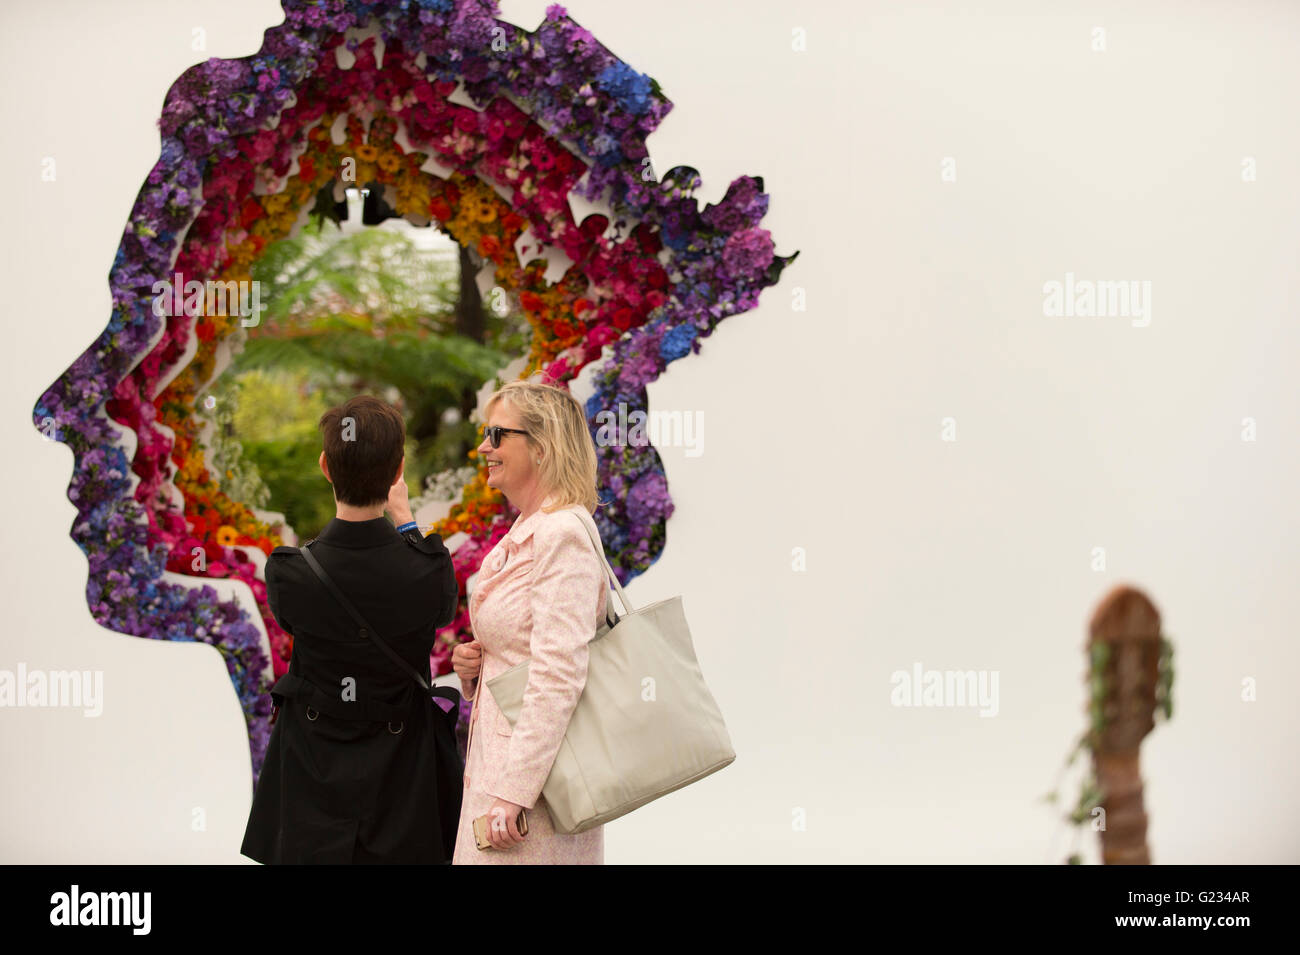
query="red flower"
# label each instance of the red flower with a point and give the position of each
(439, 209)
(250, 213)
(623, 319)
(646, 238)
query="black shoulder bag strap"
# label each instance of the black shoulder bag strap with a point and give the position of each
(438, 694)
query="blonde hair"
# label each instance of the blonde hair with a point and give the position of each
(557, 428)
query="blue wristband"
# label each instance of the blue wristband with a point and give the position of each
(408, 526)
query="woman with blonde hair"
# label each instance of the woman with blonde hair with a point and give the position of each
(539, 595)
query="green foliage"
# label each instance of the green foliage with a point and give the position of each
(1091, 795)
(298, 489)
(1165, 680)
(375, 272)
(238, 478)
(275, 413)
(1098, 659)
(352, 313)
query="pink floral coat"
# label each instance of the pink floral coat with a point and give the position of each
(539, 594)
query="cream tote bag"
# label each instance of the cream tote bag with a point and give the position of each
(646, 723)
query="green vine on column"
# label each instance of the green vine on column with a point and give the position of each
(1090, 792)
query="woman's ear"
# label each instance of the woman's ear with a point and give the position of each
(401, 469)
(324, 468)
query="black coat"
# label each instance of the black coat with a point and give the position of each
(361, 766)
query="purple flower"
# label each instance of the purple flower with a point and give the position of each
(648, 501)
(747, 254)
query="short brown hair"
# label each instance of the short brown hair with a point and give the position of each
(364, 442)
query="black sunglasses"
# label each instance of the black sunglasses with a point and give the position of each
(494, 434)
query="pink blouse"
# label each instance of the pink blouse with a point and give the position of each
(539, 594)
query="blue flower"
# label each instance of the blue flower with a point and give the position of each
(677, 342)
(630, 88)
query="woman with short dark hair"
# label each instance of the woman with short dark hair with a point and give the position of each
(362, 766)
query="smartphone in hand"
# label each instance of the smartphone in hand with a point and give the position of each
(481, 828)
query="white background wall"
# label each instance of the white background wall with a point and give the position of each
(822, 427)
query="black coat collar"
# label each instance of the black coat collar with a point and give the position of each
(358, 534)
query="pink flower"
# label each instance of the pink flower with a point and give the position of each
(467, 121)
(600, 336)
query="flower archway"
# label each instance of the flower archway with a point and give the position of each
(521, 119)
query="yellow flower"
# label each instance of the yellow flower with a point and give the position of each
(460, 226)
(227, 535)
(283, 222)
(367, 153)
(275, 203)
(243, 254)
